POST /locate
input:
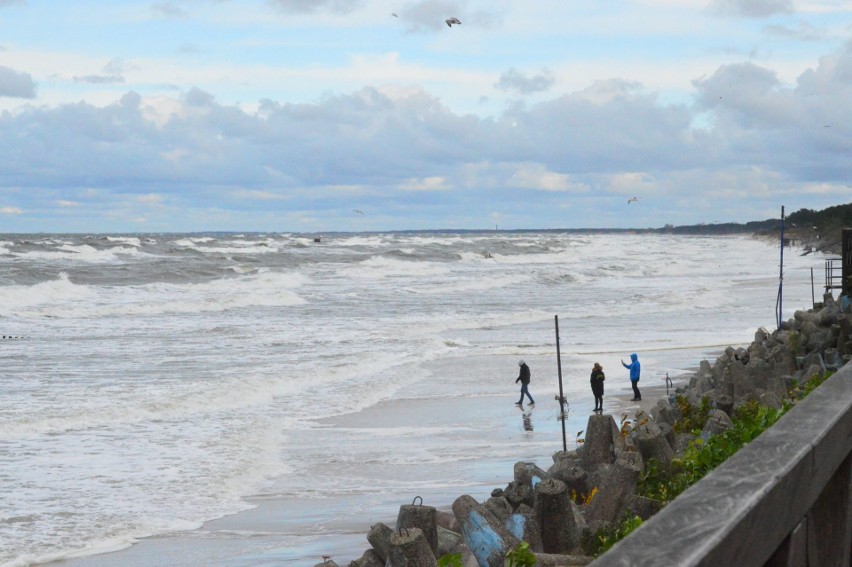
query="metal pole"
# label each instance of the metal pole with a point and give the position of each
(561, 396)
(779, 303)
(813, 297)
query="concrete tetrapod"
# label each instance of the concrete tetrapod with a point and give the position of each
(485, 535)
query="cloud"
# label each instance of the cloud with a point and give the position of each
(309, 6)
(113, 72)
(4, 3)
(10, 211)
(514, 80)
(16, 84)
(752, 8)
(804, 31)
(405, 152)
(169, 10)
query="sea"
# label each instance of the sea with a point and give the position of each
(152, 385)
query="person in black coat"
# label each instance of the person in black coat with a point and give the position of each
(524, 379)
(597, 380)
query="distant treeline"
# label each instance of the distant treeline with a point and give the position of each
(804, 222)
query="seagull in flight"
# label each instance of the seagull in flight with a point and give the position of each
(452, 21)
(394, 15)
(358, 211)
(632, 200)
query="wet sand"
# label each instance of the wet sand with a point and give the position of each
(465, 445)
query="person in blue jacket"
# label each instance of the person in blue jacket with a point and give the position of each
(634, 368)
(524, 379)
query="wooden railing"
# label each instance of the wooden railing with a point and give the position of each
(783, 500)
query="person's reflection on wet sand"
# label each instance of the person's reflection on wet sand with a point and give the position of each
(528, 426)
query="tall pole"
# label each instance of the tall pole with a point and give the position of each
(781, 274)
(561, 396)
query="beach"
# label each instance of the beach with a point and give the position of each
(258, 399)
(272, 533)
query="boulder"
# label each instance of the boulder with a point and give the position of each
(602, 436)
(617, 488)
(643, 507)
(447, 521)
(410, 546)
(379, 537)
(572, 474)
(500, 507)
(718, 422)
(370, 559)
(725, 403)
(555, 517)
(524, 526)
(652, 444)
(422, 517)
(448, 542)
(525, 473)
(485, 535)
(770, 400)
(517, 494)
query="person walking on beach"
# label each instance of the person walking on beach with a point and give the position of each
(524, 379)
(597, 381)
(634, 368)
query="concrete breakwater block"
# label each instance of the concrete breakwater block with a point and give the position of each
(416, 515)
(615, 491)
(487, 538)
(409, 546)
(602, 439)
(379, 537)
(555, 517)
(551, 560)
(525, 527)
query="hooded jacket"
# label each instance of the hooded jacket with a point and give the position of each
(524, 375)
(634, 367)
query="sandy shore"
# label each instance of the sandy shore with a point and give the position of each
(299, 529)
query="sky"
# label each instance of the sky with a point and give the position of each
(373, 115)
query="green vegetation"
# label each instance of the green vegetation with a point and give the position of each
(450, 560)
(692, 418)
(595, 543)
(520, 556)
(664, 485)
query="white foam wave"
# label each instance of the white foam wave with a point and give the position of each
(65, 300)
(131, 240)
(61, 290)
(82, 253)
(383, 267)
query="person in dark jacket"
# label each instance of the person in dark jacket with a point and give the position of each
(524, 379)
(597, 381)
(634, 368)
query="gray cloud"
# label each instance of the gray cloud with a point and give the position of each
(747, 135)
(803, 32)
(16, 84)
(169, 10)
(113, 72)
(752, 8)
(514, 80)
(4, 3)
(309, 6)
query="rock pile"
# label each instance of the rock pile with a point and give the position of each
(593, 486)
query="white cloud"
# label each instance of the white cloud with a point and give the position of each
(425, 184)
(11, 211)
(752, 8)
(514, 80)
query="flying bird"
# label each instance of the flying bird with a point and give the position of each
(394, 15)
(632, 200)
(358, 211)
(452, 21)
